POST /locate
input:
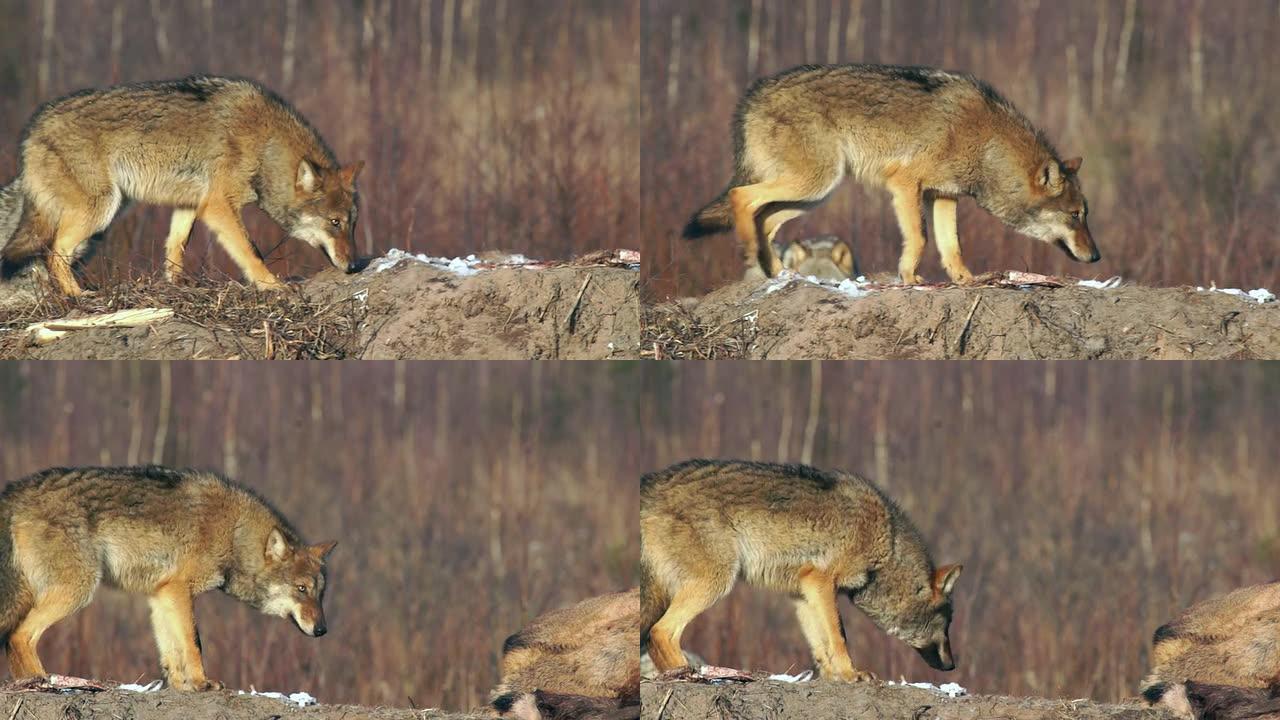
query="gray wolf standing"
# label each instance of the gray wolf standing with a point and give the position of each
(926, 135)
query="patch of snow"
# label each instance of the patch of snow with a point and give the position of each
(952, 690)
(800, 677)
(153, 686)
(468, 265)
(1108, 284)
(301, 699)
(1260, 295)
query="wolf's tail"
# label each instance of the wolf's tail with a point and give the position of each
(717, 215)
(15, 595)
(24, 233)
(654, 601)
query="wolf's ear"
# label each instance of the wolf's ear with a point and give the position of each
(842, 256)
(307, 180)
(1049, 176)
(944, 579)
(277, 546)
(322, 550)
(349, 174)
(1072, 166)
(797, 252)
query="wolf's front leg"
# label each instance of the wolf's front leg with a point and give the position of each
(173, 621)
(820, 621)
(948, 239)
(224, 220)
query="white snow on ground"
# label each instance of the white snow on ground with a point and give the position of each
(459, 266)
(1261, 295)
(152, 686)
(950, 689)
(1107, 284)
(301, 699)
(805, 676)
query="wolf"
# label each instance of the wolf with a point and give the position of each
(1230, 640)
(206, 146)
(806, 532)
(928, 136)
(164, 533)
(581, 659)
(825, 258)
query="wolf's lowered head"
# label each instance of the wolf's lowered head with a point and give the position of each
(1059, 214)
(324, 211)
(291, 582)
(916, 611)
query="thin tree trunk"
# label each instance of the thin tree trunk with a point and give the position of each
(815, 411)
(290, 40)
(1126, 38)
(163, 417)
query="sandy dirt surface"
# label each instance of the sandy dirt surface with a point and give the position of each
(680, 700)
(169, 704)
(586, 309)
(800, 320)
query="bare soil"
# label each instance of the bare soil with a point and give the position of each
(586, 309)
(807, 321)
(168, 704)
(773, 700)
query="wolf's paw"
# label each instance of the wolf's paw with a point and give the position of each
(910, 279)
(854, 675)
(269, 284)
(206, 684)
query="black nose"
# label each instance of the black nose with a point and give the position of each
(320, 629)
(352, 266)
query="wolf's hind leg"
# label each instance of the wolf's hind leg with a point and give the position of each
(73, 230)
(820, 621)
(53, 605)
(176, 242)
(173, 622)
(907, 207)
(944, 229)
(686, 604)
(786, 198)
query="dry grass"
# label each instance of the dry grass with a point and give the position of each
(1170, 102)
(466, 498)
(1088, 502)
(672, 332)
(291, 325)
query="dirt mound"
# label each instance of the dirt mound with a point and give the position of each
(167, 704)
(822, 700)
(586, 309)
(1000, 319)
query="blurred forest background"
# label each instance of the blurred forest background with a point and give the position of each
(1089, 503)
(1170, 102)
(486, 124)
(466, 498)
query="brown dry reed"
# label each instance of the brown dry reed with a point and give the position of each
(466, 498)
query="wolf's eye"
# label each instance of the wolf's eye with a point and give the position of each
(1075, 215)
(301, 588)
(335, 222)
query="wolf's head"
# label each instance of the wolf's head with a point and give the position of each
(324, 211)
(914, 611)
(1059, 213)
(826, 258)
(292, 582)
